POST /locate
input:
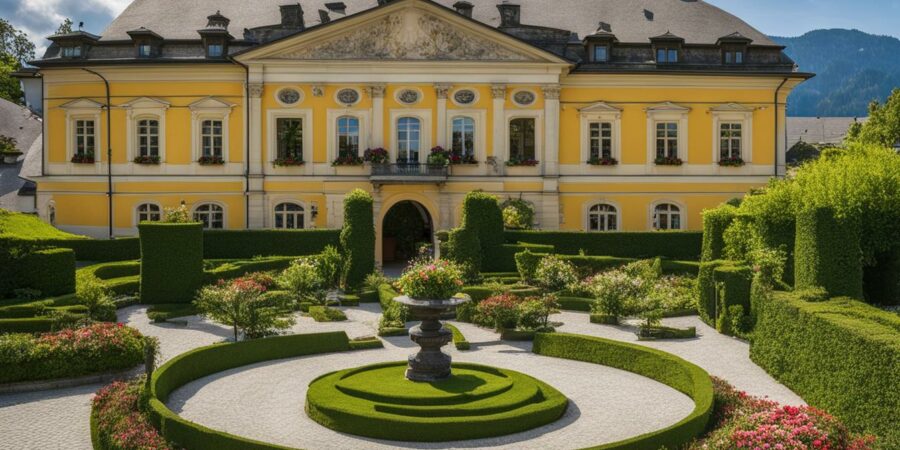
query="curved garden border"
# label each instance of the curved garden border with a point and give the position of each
(663, 367)
(654, 364)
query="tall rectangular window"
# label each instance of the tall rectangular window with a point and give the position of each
(348, 136)
(290, 138)
(601, 53)
(463, 138)
(148, 137)
(521, 140)
(667, 139)
(85, 137)
(601, 140)
(212, 137)
(730, 140)
(408, 140)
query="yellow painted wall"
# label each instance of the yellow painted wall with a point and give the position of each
(635, 209)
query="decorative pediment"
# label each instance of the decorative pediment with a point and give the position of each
(601, 107)
(82, 103)
(732, 107)
(211, 103)
(668, 107)
(146, 103)
(403, 31)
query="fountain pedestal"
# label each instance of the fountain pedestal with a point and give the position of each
(430, 363)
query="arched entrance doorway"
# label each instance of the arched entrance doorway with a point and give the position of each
(407, 225)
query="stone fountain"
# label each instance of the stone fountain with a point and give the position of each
(430, 363)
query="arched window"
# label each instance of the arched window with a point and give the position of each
(408, 140)
(348, 136)
(289, 216)
(603, 217)
(463, 139)
(148, 212)
(667, 216)
(148, 137)
(211, 215)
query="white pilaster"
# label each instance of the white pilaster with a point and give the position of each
(551, 130)
(498, 92)
(377, 93)
(442, 90)
(256, 90)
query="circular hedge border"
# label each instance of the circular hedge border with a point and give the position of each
(478, 401)
(657, 365)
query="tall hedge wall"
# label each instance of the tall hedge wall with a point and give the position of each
(881, 282)
(681, 245)
(464, 247)
(706, 291)
(733, 286)
(715, 222)
(358, 237)
(481, 213)
(100, 250)
(242, 244)
(827, 254)
(51, 271)
(840, 355)
(171, 261)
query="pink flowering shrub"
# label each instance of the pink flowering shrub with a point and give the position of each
(436, 280)
(121, 424)
(744, 422)
(99, 347)
(240, 303)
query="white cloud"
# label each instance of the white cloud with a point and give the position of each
(40, 18)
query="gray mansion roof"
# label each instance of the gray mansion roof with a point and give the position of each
(567, 28)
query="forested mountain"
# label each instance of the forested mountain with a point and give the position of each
(852, 68)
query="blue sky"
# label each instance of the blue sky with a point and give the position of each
(39, 18)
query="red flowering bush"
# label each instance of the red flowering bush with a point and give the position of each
(499, 312)
(240, 303)
(744, 422)
(121, 425)
(99, 347)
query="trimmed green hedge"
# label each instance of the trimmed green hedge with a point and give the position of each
(216, 358)
(706, 291)
(881, 282)
(246, 244)
(481, 213)
(171, 261)
(827, 254)
(595, 264)
(715, 222)
(575, 303)
(100, 250)
(358, 238)
(459, 341)
(464, 247)
(733, 284)
(681, 245)
(122, 277)
(840, 355)
(503, 258)
(229, 269)
(51, 271)
(666, 368)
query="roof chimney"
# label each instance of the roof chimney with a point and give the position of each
(217, 20)
(464, 8)
(509, 14)
(292, 17)
(323, 16)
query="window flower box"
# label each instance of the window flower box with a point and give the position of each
(515, 162)
(347, 160)
(439, 156)
(289, 161)
(376, 156)
(146, 160)
(83, 158)
(211, 161)
(603, 162)
(731, 162)
(457, 159)
(668, 161)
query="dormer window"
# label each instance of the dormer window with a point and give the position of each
(75, 44)
(667, 48)
(666, 55)
(146, 42)
(734, 56)
(734, 48)
(215, 36)
(215, 50)
(599, 44)
(601, 53)
(71, 51)
(145, 50)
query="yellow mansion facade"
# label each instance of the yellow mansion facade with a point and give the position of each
(603, 114)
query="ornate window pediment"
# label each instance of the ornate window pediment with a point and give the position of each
(601, 107)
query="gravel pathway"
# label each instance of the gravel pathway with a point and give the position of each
(607, 404)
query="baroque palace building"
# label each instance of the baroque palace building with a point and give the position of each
(604, 114)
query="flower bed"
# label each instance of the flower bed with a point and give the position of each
(348, 160)
(147, 160)
(668, 161)
(118, 420)
(603, 161)
(289, 161)
(96, 348)
(515, 162)
(376, 155)
(731, 162)
(211, 161)
(83, 158)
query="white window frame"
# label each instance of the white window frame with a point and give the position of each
(141, 109)
(480, 118)
(682, 211)
(425, 142)
(601, 112)
(305, 213)
(365, 138)
(221, 205)
(84, 109)
(733, 113)
(538, 116)
(306, 115)
(137, 211)
(667, 112)
(596, 202)
(210, 108)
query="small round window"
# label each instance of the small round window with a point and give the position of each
(348, 96)
(408, 96)
(524, 98)
(464, 97)
(289, 96)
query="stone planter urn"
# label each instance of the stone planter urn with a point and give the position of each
(11, 157)
(430, 363)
